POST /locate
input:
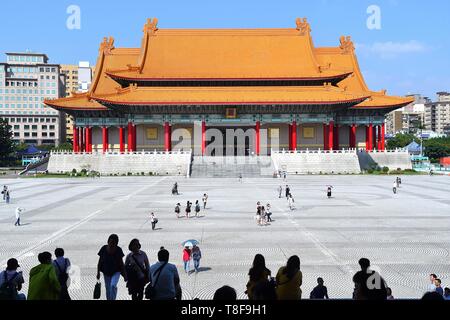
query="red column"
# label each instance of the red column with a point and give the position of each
(203, 138)
(88, 139)
(105, 139)
(352, 136)
(167, 136)
(75, 139)
(130, 137)
(374, 145)
(383, 139)
(134, 137)
(370, 137)
(325, 136)
(121, 140)
(331, 136)
(294, 135)
(257, 138)
(336, 138)
(81, 138)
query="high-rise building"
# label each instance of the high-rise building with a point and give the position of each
(409, 119)
(26, 80)
(437, 114)
(78, 79)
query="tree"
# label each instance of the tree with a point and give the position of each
(6, 142)
(401, 140)
(437, 148)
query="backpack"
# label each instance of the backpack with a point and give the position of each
(177, 209)
(8, 290)
(62, 275)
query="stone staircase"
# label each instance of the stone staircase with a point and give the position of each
(232, 167)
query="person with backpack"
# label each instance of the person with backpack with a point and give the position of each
(177, 210)
(62, 266)
(289, 280)
(137, 268)
(165, 281)
(197, 208)
(110, 263)
(11, 282)
(188, 208)
(44, 284)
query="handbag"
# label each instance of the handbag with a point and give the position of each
(97, 290)
(150, 291)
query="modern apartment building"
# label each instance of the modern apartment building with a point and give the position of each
(78, 79)
(409, 119)
(437, 114)
(26, 79)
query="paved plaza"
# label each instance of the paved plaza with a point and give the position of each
(406, 236)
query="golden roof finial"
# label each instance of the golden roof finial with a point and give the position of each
(303, 26)
(347, 45)
(151, 26)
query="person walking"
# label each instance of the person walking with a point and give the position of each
(110, 263)
(291, 202)
(269, 212)
(287, 192)
(18, 214)
(394, 187)
(319, 292)
(177, 210)
(197, 208)
(258, 273)
(153, 220)
(258, 213)
(44, 284)
(11, 282)
(8, 197)
(175, 189)
(205, 200)
(263, 216)
(329, 191)
(196, 256)
(289, 280)
(188, 208)
(62, 267)
(5, 189)
(280, 192)
(164, 278)
(186, 259)
(240, 177)
(137, 268)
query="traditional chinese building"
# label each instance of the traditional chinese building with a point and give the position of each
(276, 79)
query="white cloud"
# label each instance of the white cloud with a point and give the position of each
(390, 49)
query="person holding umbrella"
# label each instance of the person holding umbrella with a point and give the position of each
(186, 258)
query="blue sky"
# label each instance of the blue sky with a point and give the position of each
(409, 54)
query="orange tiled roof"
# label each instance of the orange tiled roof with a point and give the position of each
(109, 57)
(238, 54)
(344, 56)
(135, 95)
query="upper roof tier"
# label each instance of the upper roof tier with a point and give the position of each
(226, 54)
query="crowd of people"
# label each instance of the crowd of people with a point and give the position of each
(50, 280)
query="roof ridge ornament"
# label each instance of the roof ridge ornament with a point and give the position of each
(303, 26)
(347, 45)
(151, 26)
(107, 45)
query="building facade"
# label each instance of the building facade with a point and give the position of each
(410, 119)
(26, 80)
(78, 79)
(271, 81)
(437, 114)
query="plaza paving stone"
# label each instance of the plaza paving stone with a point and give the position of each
(406, 236)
